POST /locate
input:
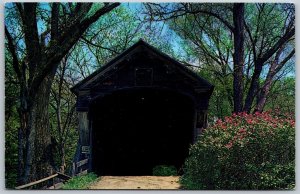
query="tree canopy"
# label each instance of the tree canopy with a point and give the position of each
(246, 50)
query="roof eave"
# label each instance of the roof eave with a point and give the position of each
(75, 89)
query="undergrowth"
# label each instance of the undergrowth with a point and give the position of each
(164, 170)
(81, 182)
(245, 152)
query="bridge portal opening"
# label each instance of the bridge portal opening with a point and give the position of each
(136, 130)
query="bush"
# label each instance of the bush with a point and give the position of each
(244, 152)
(164, 170)
(81, 182)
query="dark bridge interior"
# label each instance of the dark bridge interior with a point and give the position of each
(135, 130)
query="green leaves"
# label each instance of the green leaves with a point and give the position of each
(164, 170)
(81, 182)
(244, 152)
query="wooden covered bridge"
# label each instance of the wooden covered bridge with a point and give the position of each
(141, 109)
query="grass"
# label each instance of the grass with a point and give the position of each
(164, 170)
(81, 182)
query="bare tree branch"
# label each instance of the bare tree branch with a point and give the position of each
(54, 21)
(68, 38)
(289, 34)
(99, 46)
(12, 50)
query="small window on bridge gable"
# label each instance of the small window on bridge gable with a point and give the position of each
(143, 76)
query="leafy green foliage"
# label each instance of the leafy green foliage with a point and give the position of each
(207, 42)
(63, 118)
(11, 159)
(11, 124)
(164, 170)
(221, 101)
(81, 182)
(117, 31)
(282, 95)
(244, 152)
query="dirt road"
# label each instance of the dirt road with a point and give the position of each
(137, 182)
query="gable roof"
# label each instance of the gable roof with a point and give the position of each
(128, 52)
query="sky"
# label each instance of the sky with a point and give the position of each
(175, 41)
(2, 86)
(136, 9)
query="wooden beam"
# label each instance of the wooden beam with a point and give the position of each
(36, 182)
(82, 162)
(82, 173)
(56, 186)
(58, 175)
(63, 176)
(83, 128)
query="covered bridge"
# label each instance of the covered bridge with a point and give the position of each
(141, 109)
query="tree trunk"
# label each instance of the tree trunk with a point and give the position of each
(25, 147)
(254, 86)
(35, 151)
(276, 66)
(238, 58)
(265, 91)
(62, 157)
(36, 73)
(43, 153)
(62, 160)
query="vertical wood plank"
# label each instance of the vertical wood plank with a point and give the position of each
(83, 128)
(74, 169)
(195, 134)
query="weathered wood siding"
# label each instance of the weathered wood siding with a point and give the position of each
(84, 133)
(163, 75)
(140, 66)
